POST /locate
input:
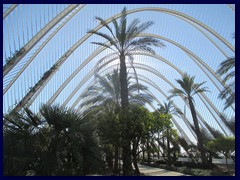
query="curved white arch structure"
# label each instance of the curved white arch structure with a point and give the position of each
(197, 60)
(9, 10)
(24, 50)
(70, 51)
(76, 10)
(148, 81)
(223, 47)
(139, 53)
(152, 70)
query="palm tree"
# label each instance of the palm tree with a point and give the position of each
(19, 144)
(73, 141)
(188, 89)
(104, 98)
(106, 93)
(123, 41)
(61, 142)
(168, 108)
(227, 70)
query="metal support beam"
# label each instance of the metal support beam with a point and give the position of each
(24, 50)
(178, 14)
(9, 10)
(40, 48)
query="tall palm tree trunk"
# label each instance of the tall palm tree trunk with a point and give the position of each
(134, 154)
(168, 149)
(123, 82)
(164, 149)
(143, 154)
(226, 156)
(148, 151)
(127, 162)
(115, 168)
(158, 146)
(198, 133)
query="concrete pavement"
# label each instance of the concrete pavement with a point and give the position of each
(152, 171)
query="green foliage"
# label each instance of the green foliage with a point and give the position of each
(61, 143)
(138, 121)
(11, 59)
(161, 121)
(222, 144)
(109, 128)
(123, 40)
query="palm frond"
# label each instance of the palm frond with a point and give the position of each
(142, 48)
(176, 92)
(135, 72)
(196, 86)
(230, 123)
(200, 91)
(140, 98)
(229, 101)
(168, 108)
(117, 30)
(106, 85)
(225, 66)
(105, 24)
(132, 28)
(54, 115)
(105, 36)
(35, 120)
(104, 45)
(135, 87)
(229, 76)
(142, 27)
(123, 25)
(143, 44)
(226, 91)
(93, 100)
(186, 83)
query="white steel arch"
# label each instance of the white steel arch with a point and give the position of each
(76, 10)
(193, 57)
(24, 50)
(152, 70)
(172, 12)
(148, 81)
(9, 10)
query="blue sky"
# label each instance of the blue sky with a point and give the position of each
(25, 20)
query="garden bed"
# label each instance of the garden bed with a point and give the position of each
(187, 168)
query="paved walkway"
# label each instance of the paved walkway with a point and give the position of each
(152, 171)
